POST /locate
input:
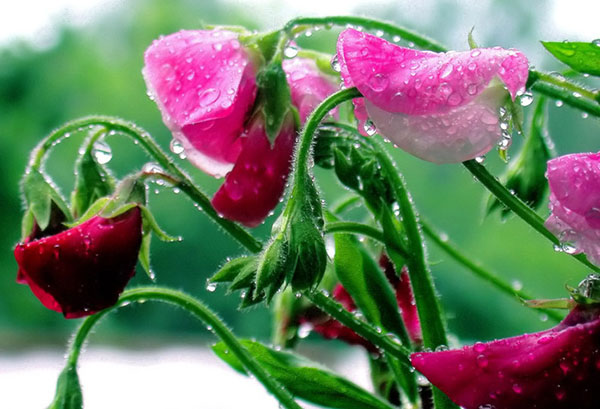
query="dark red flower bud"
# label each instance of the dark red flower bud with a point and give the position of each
(554, 369)
(82, 270)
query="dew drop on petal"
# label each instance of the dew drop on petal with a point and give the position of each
(517, 388)
(208, 96)
(335, 64)
(378, 82)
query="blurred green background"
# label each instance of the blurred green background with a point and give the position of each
(95, 69)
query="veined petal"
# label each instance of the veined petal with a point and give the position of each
(204, 84)
(554, 369)
(403, 80)
(255, 185)
(464, 133)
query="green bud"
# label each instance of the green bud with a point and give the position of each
(68, 391)
(275, 263)
(311, 255)
(233, 268)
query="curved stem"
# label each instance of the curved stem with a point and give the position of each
(185, 183)
(345, 203)
(203, 313)
(518, 206)
(294, 26)
(480, 272)
(362, 328)
(301, 159)
(562, 82)
(562, 93)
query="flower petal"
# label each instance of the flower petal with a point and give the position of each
(255, 185)
(204, 84)
(403, 80)
(83, 269)
(554, 369)
(464, 133)
(574, 182)
(308, 85)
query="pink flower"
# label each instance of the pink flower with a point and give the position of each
(575, 202)
(82, 270)
(204, 84)
(441, 107)
(554, 369)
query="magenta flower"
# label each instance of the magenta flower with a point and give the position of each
(554, 369)
(82, 270)
(441, 107)
(204, 84)
(575, 202)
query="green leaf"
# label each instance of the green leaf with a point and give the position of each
(39, 196)
(275, 263)
(305, 379)
(582, 57)
(92, 182)
(275, 98)
(233, 268)
(144, 255)
(368, 286)
(264, 44)
(68, 391)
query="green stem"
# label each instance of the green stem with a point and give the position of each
(362, 328)
(365, 230)
(543, 83)
(345, 203)
(518, 206)
(428, 306)
(304, 145)
(296, 25)
(480, 272)
(185, 183)
(203, 313)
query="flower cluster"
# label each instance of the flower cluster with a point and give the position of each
(204, 83)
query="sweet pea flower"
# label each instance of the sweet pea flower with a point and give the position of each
(82, 270)
(440, 107)
(554, 369)
(574, 182)
(204, 84)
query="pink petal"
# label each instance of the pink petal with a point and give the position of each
(574, 182)
(554, 369)
(204, 85)
(464, 133)
(308, 85)
(255, 185)
(414, 82)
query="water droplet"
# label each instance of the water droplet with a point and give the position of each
(480, 159)
(102, 152)
(516, 285)
(335, 64)
(378, 82)
(482, 361)
(475, 53)
(584, 115)
(211, 287)
(304, 330)
(446, 70)
(290, 51)
(369, 127)
(568, 248)
(208, 96)
(526, 99)
(577, 95)
(558, 103)
(596, 42)
(518, 389)
(176, 147)
(152, 167)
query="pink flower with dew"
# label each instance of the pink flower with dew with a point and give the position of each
(574, 182)
(204, 84)
(554, 369)
(440, 107)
